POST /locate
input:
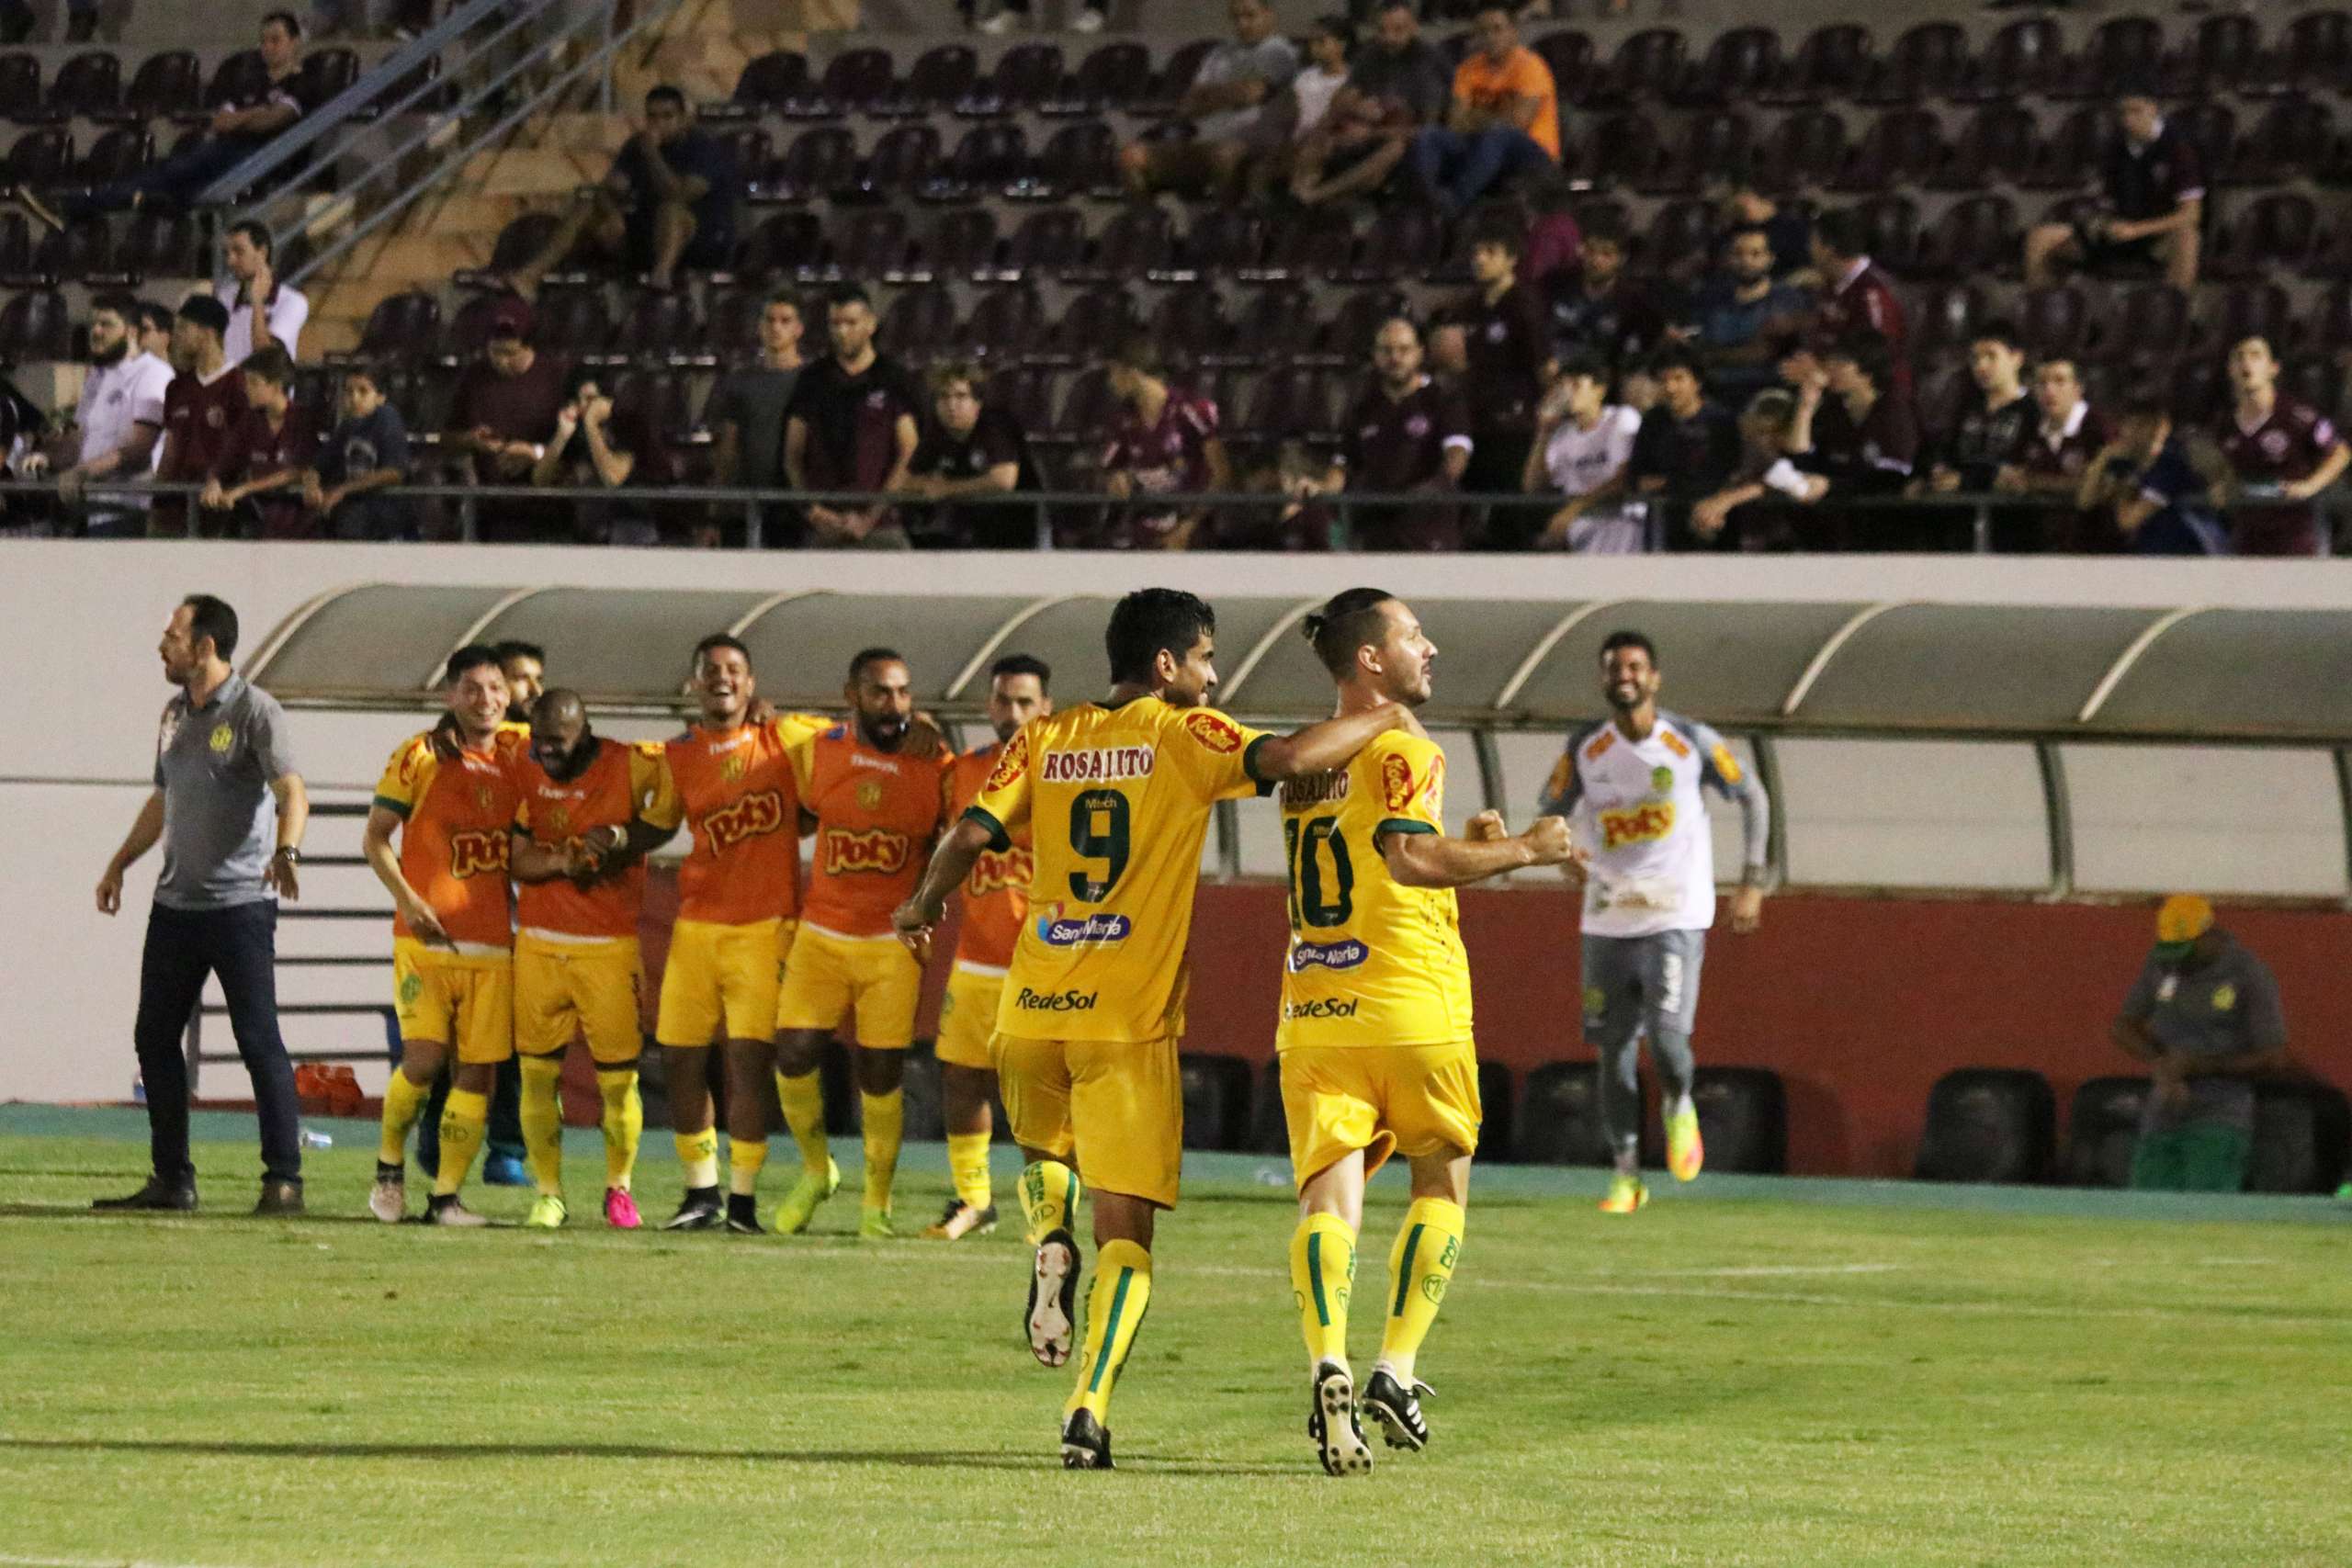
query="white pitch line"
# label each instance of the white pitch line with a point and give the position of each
(14, 1561)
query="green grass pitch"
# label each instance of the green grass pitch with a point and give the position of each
(1750, 1371)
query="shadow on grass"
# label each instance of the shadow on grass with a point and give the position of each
(904, 1459)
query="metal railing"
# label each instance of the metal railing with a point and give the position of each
(750, 504)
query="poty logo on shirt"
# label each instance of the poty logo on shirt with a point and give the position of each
(1347, 953)
(472, 855)
(1093, 931)
(1642, 824)
(1097, 765)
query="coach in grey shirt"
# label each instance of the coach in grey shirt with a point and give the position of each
(230, 810)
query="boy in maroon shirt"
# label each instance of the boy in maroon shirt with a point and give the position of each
(255, 489)
(2284, 454)
(202, 407)
(2050, 466)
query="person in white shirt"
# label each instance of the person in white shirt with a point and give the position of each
(118, 421)
(1631, 785)
(1583, 441)
(252, 284)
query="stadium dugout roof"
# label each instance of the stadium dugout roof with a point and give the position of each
(1856, 667)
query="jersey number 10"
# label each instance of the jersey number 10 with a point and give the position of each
(1307, 907)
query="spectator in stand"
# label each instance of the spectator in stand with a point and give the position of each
(1406, 434)
(1504, 121)
(1742, 319)
(1397, 83)
(748, 410)
(1995, 420)
(1501, 351)
(2283, 454)
(1859, 298)
(1582, 444)
(202, 408)
(1236, 108)
(1755, 509)
(1597, 308)
(253, 489)
(1164, 442)
(2155, 494)
(851, 426)
(1306, 111)
(668, 201)
(2152, 208)
(365, 456)
(118, 419)
(1687, 450)
(283, 309)
(236, 131)
(596, 446)
(156, 329)
(975, 458)
(2049, 469)
(1554, 249)
(1788, 230)
(1853, 428)
(2204, 1015)
(505, 402)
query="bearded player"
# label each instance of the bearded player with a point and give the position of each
(1633, 781)
(1376, 1034)
(453, 960)
(1117, 796)
(996, 901)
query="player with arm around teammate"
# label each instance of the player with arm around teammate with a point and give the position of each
(1376, 1034)
(1635, 780)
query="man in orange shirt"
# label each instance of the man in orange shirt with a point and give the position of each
(878, 801)
(996, 902)
(739, 898)
(590, 809)
(1505, 119)
(453, 960)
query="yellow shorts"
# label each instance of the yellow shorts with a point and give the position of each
(1119, 1103)
(454, 998)
(721, 982)
(967, 1018)
(566, 988)
(828, 978)
(1408, 1099)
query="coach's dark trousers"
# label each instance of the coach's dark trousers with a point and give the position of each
(240, 945)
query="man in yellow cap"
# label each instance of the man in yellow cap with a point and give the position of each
(2204, 1015)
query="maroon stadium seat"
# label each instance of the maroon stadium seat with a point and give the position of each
(2121, 49)
(1174, 79)
(2295, 136)
(1904, 147)
(1051, 240)
(820, 161)
(1646, 69)
(1311, 242)
(1976, 237)
(1136, 241)
(961, 244)
(167, 87)
(1028, 77)
(2315, 51)
(871, 245)
(2319, 382)
(1190, 326)
(20, 88)
(1006, 324)
(1278, 325)
(2255, 309)
(1088, 407)
(571, 319)
(42, 157)
(1290, 405)
(663, 401)
(1025, 392)
(1077, 160)
(1943, 319)
(1403, 242)
(81, 251)
(1570, 55)
(2274, 233)
(2201, 390)
(401, 325)
(2223, 54)
(1715, 146)
(2212, 130)
(774, 80)
(1090, 323)
(920, 325)
(1620, 150)
(789, 243)
(906, 159)
(941, 78)
(162, 244)
(1681, 237)
(1114, 78)
(1738, 65)
(751, 151)
(520, 240)
(1834, 61)
(1998, 145)
(2069, 156)
(857, 81)
(1891, 229)
(35, 325)
(2056, 321)
(658, 327)
(1225, 240)
(2150, 326)
(119, 152)
(731, 325)
(2331, 330)
(1804, 153)
(15, 245)
(1347, 340)
(88, 86)
(1930, 60)
(991, 159)
(2024, 60)
(328, 69)
(240, 75)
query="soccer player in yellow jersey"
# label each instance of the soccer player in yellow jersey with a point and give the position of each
(996, 906)
(1375, 1042)
(453, 962)
(1117, 796)
(589, 809)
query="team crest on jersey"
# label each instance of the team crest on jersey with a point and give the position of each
(869, 795)
(1643, 824)
(1011, 762)
(1215, 731)
(2274, 444)
(214, 417)
(1661, 780)
(1418, 427)
(411, 988)
(746, 819)
(734, 766)
(873, 850)
(474, 854)
(221, 740)
(2226, 997)
(483, 798)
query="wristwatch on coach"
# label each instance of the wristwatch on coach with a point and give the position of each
(291, 853)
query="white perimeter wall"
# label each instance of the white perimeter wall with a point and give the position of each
(81, 621)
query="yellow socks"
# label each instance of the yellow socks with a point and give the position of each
(1322, 1277)
(542, 1118)
(403, 1103)
(745, 1159)
(804, 1112)
(967, 1166)
(465, 1122)
(624, 1123)
(1419, 1267)
(1114, 1309)
(698, 1156)
(1048, 1198)
(884, 1118)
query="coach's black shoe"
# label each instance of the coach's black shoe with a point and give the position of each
(1398, 1409)
(1053, 1299)
(698, 1211)
(744, 1214)
(279, 1198)
(1085, 1445)
(1331, 1421)
(158, 1194)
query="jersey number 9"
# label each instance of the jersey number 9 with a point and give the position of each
(1097, 830)
(1307, 907)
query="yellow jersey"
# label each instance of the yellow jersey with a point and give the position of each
(1372, 961)
(1116, 801)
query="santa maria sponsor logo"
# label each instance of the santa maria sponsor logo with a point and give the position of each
(1056, 930)
(1345, 953)
(1100, 764)
(1073, 1000)
(1319, 1008)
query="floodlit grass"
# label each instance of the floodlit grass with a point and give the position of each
(1752, 1373)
